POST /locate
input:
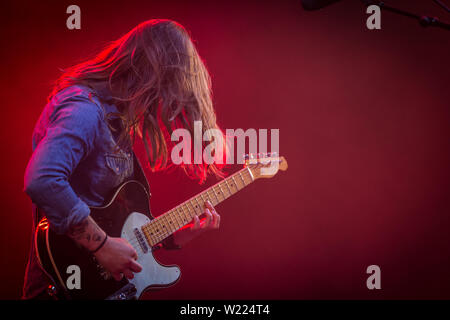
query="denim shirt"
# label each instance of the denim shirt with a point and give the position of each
(74, 164)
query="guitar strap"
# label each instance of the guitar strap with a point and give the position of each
(139, 174)
(54, 291)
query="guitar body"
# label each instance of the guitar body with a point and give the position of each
(123, 217)
(127, 215)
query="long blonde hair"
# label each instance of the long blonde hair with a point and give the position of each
(158, 82)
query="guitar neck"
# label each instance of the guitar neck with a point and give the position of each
(166, 224)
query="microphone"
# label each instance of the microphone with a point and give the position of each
(316, 4)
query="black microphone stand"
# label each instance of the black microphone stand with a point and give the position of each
(424, 21)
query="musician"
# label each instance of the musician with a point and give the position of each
(144, 85)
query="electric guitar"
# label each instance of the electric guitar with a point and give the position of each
(127, 215)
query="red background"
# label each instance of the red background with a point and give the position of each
(364, 123)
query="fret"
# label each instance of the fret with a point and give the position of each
(219, 192)
(176, 217)
(147, 234)
(220, 187)
(169, 219)
(150, 239)
(176, 222)
(251, 174)
(152, 235)
(153, 232)
(200, 207)
(232, 177)
(158, 229)
(243, 180)
(189, 211)
(183, 213)
(150, 230)
(193, 208)
(223, 191)
(215, 195)
(186, 213)
(226, 183)
(166, 224)
(164, 234)
(163, 222)
(201, 196)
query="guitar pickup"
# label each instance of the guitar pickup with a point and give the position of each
(141, 240)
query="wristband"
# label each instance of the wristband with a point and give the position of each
(101, 245)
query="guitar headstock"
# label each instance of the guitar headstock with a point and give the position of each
(265, 165)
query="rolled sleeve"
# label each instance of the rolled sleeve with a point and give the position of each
(69, 138)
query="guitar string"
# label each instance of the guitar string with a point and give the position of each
(159, 236)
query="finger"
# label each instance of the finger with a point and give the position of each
(196, 224)
(216, 216)
(117, 276)
(209, 206)
(135, 267)
(213, 219)
(132, 250)
(134, 255)
(128, 274)
(216, 220)
(208, 220)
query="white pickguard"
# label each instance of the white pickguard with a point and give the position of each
(153, 273)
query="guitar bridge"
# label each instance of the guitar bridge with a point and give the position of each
(128, 292)
(141, 240)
